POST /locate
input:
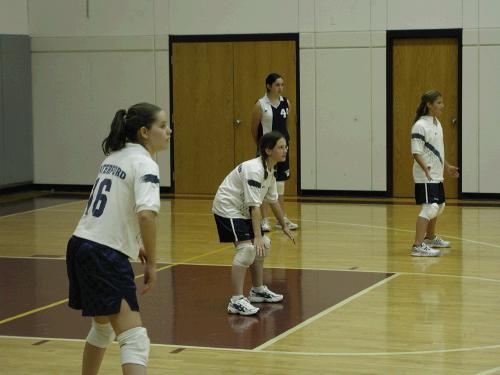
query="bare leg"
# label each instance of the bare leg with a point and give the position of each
(238, 274)
(123, 321)
(93, 355)
(421, 230)
(257, 270)
(238, 279)
(264, 209)
(431, 228)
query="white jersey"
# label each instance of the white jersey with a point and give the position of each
(427, 140)
(243, 188)
(128, 182)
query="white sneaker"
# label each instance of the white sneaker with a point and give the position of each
(242, 307)
(437, 242)
(265, 225)
(291, 224)
(424, 251)
(265, 295)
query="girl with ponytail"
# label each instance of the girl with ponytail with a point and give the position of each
(429, 162)
(118, 224)
(237, 213)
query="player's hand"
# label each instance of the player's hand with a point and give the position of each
(289, 233)
(142, 255)
(260, 248)
(428, 173)
(149, 278)
(453, 171)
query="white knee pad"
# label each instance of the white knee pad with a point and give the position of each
(267, 244)
(441, 208)
(245, 255)
(134, 346)
(280, 185)
(101, 335)
(429, 211)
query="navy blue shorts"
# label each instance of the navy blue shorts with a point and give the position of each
(429, 193)
(234, 230)
(99, 278)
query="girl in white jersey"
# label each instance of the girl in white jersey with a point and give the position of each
(119, 223)
(427, 147)
(270, 113)
(237, 213)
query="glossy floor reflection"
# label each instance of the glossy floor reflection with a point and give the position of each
(187, 307)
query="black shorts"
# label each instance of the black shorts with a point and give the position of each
(234, 230)
(282, 169)
(429, 193)
(99, 278)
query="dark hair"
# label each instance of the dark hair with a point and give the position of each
(429, 97)
(271, 78)
(126, 124)
(268, 141)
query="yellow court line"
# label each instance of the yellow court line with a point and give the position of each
(57, 303)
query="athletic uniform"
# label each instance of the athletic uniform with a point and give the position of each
(243, 188)
(274, 119)
(108, 234)
(427, 140)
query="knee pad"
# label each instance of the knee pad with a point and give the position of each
(429, 211)
(134, 346)
(245, 255)
(267, 244)
(101, 335)
(280, 185)
(441, 208)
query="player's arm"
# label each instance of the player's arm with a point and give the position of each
(278, 213)
(258, 241)
(256, 118)
(420, 161)
(147, 225)
(451, 169)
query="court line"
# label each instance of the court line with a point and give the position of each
(289, 353)
(397, 230)
(495, 370)
(476, 278)
(324, 312)
(60, 302)
(43, 208)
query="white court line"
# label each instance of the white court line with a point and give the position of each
(42, 209)
(397, 230)
(495, 370)
(324, 312)
(476, 278)
(288, 353)
(384, 354)
(152, 344)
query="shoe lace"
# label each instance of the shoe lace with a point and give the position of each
(246, 303)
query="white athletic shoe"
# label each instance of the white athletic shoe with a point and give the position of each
(291, 224)
(424, 251)
(265, 225)
(437, 242)
(265, 295)
(242, 307)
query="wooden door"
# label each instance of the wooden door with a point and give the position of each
(202, 75)
(253, 61)
(420, 65)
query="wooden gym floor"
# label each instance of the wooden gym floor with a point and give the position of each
(355, 300)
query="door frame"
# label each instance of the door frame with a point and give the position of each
(234, 38)
(420, 34)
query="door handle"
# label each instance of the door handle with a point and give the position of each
(454, 121)
(237, 122)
